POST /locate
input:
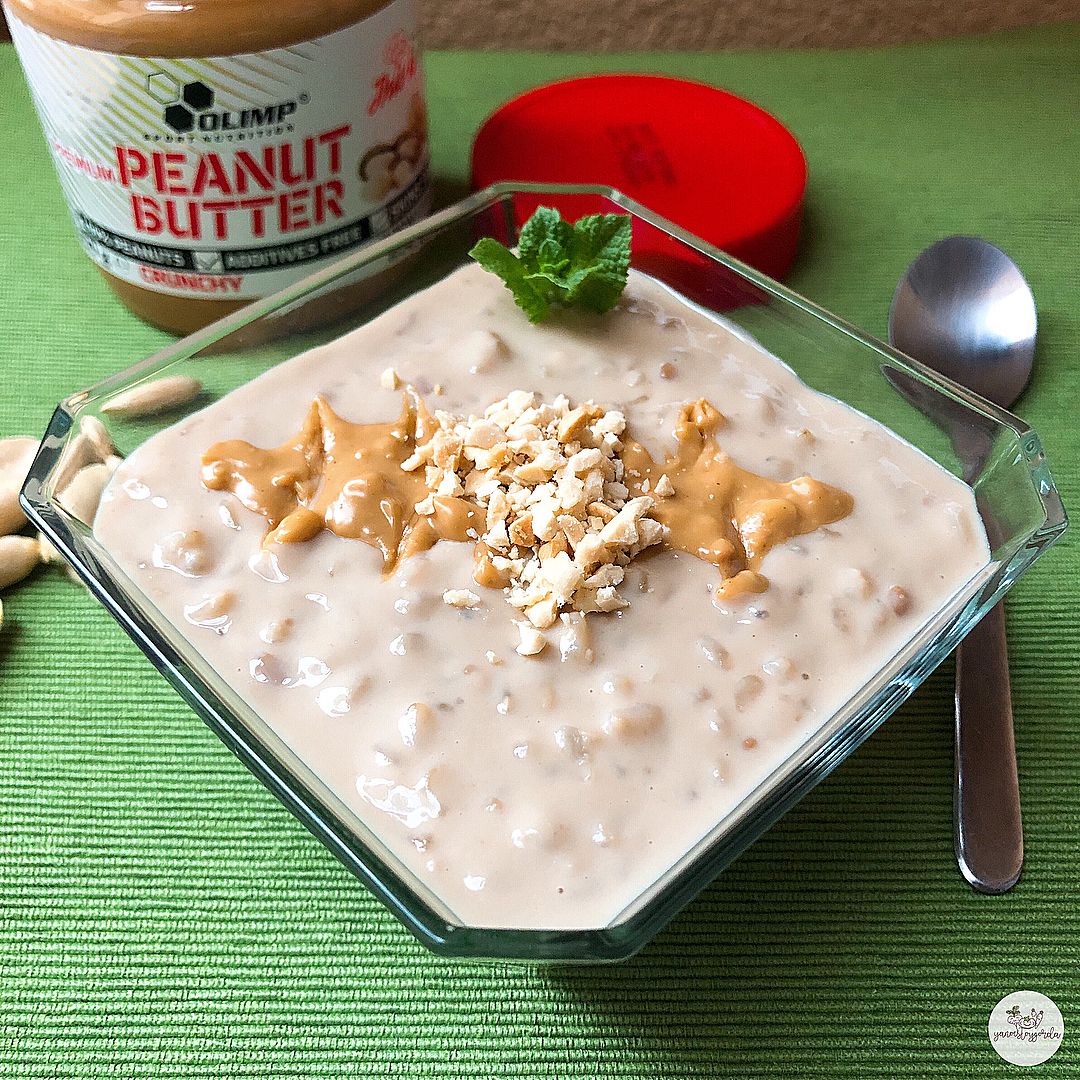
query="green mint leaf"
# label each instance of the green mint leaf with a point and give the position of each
(601, 261)
(545, 241)
(582, 265)
(501, 261)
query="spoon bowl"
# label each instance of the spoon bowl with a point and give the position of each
(964, 308)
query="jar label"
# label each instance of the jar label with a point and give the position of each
(229, 177)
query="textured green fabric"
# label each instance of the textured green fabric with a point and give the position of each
(161, 916)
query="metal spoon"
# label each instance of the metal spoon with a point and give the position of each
(964, 309)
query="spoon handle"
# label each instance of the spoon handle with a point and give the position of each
(988, 831)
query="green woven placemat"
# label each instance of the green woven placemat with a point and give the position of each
(161, 916)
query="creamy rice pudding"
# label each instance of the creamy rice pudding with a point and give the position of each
(540, 604)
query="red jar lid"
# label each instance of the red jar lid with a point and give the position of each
(711, 162)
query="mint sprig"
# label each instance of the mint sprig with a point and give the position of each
(583, 265)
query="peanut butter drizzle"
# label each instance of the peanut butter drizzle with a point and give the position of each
(724, 514)
(347, 478)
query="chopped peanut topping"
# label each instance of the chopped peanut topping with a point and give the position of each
(560, 525)
(461, 598)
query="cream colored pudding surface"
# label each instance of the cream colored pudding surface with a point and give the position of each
(547, 790)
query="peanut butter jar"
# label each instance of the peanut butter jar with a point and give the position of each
(212, 152)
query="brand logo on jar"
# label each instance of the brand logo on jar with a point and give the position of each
(189, 107)
(400, 58)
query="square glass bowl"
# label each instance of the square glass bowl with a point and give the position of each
(994, 452)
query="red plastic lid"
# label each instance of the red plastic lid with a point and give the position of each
(711, 162)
